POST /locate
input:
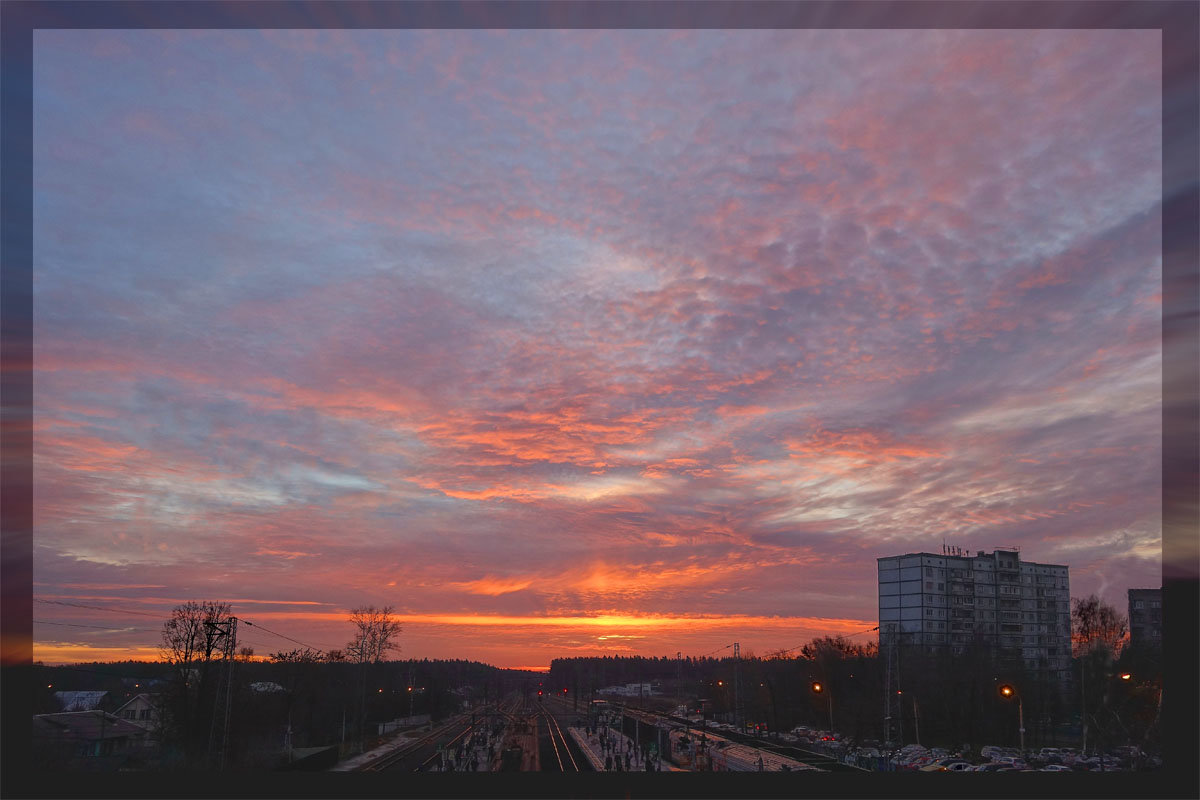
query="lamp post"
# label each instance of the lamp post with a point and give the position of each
(916, 716)
(1007, 691)
(820, 688)
(773, 733)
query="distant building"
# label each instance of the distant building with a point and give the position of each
(1145, 617)
(84, 739)
(630, 690)
(143, 710)
(944, 602)
(82, 701)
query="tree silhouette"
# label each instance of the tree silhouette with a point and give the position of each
(190, 640)
(1098, 631)
(374, 637)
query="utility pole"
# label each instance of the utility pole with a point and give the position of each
(224, 631)
(916, 719)
(887, 684)
(737, 705)
(230, 649)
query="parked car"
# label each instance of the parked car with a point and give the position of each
(944, 765)
(1056, 768)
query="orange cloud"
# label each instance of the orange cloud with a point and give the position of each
(494, 587)
(858, 448)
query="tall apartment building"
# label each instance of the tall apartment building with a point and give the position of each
(1145, 617)
(944, 602)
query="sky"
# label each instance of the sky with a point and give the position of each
(570, 343)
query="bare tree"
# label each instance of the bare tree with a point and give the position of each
(190, 638)
(375, 634)
(1095, 624)
(1097, 632)
(374, 637)
(297, 656)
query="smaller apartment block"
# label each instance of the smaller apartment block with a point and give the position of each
(1145, 617)
(944, 602)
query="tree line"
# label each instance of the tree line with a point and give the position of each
(303, 697)
(218, 704)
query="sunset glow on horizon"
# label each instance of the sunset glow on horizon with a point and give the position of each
(570, 343)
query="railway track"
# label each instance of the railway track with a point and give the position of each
(556, 751)
(819, 761)
(564, 759)
(407, 751)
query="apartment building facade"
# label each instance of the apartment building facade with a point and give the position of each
(943, 602)
(1145, 617)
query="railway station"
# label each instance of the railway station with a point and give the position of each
(549, 735)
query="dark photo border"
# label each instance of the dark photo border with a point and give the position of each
(1179, 23)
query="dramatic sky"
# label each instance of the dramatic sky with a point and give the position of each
(570, 343)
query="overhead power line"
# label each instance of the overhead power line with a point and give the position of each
(100, 627)
(282, 636)
(710, 652)
(158, 616)
(847, 636)
(98, 608)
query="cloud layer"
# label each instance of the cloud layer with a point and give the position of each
(577, 326)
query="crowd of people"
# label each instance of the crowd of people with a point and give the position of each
(621, 753)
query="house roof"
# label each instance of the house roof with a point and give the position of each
(80, 701)
(85, 725)
(149, 698)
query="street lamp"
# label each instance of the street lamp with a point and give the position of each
(1008, 692)
(820, 688)
(916, 715)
